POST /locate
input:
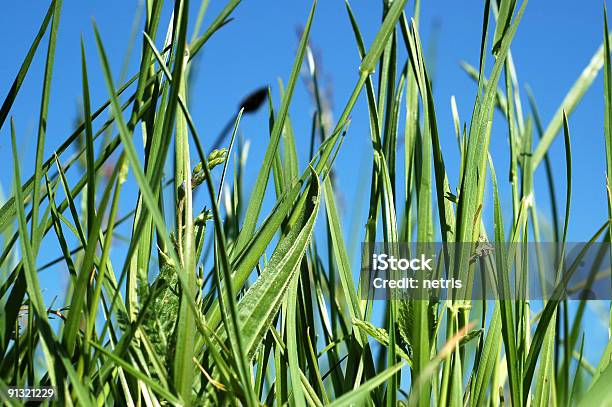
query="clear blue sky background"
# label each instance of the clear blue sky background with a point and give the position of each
(555, 41)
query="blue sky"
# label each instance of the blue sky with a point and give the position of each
(552, 46)
(554, 42)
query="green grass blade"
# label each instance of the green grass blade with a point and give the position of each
(368, 64)
(569, 103)
(89, 151)
(25, 65)
(79, 294)
(488, 358)
(218, 22)
(357, 396)
(292, 340)
(32, 283)
(44, 108)
(508, 319)
(138, 374)
(545, 379)
(185, 325)
(599, 392)
(259, 189)
(261, 302)
(608, 121)
(340, 254)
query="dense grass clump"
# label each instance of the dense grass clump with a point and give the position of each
(241, 304)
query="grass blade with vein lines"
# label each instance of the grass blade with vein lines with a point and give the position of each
(261, 302)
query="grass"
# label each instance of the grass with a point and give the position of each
(240, 304)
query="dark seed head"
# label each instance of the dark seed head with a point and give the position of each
(253, 101)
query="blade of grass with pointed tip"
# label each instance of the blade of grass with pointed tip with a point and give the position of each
(228, 155)
(419, 70)
(290, 157)
(569, 103)
(31, 277)
(80, 234)
(262, 300)
(104, 258)
(58, 231)
(256, 199)
(89, 147)
(42, 120)
(72, 326)
(340, 254)
(218, 22)
(25, 65)
(368, 64)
